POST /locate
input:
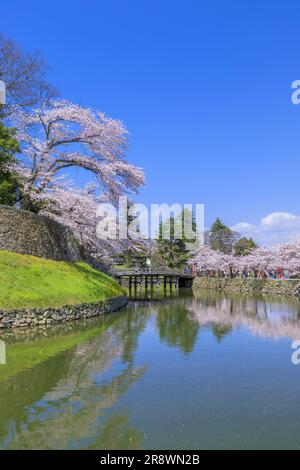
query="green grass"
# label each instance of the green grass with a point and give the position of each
(27, 281)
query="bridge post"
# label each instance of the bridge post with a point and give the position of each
(129, 282)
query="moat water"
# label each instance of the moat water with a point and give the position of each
(182, 372)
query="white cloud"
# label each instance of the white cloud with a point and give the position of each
(242, 227)
(280, 219)
(277, 227)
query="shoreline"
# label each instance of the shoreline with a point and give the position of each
(31, 317)
(257, 286)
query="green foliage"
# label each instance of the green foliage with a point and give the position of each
(176, 328)
(243, 246)
(8, 180)
(172, 252)
(135, 256)
(8, 145)
(27, 281)
(221, 331)
(221, 237)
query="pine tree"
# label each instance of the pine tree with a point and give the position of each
(244, 246)
(173, 252)
(221, 237)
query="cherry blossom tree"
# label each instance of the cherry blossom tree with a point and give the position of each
(207, 259)
(62, 135)
(260, 261)
(77, 210)
(289, 255)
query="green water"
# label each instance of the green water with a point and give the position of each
(211, 372)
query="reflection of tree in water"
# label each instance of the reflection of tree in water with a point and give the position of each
(263, 317)
(27, 387)
(77, 411)
(116, 434)
(73, 399)
(175, 327)
(220, 331)
(129, 331)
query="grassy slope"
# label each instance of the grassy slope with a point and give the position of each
(27, 281)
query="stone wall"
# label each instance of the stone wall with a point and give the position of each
(256, 286)
(28, 233)
(24, 318)
(32, 234)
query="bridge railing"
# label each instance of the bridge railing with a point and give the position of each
(151, 272)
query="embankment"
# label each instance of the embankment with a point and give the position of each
(38, 316)
(37, 291)
(255, 286)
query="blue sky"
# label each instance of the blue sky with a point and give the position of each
(204, 89)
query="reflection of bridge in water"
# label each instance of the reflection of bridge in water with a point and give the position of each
(148, 284)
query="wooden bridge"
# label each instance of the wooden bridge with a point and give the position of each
(148, 279)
